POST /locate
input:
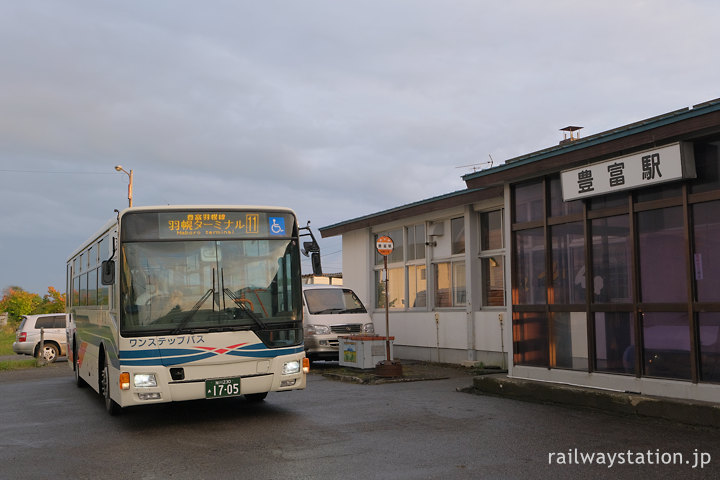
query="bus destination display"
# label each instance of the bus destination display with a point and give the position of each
(175, 225)
(204, 224)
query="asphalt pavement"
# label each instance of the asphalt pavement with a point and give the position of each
(420, 429)
(619, 403)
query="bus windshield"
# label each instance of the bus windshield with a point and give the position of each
(174, 287)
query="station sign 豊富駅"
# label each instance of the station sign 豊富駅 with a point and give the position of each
(384, 245)
(650, 167)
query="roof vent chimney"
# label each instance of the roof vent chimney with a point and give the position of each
(573, 136)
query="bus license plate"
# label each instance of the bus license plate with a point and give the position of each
(222, 387)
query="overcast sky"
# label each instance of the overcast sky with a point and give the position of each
(335, 108)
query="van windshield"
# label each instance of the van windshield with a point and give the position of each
(321, 301)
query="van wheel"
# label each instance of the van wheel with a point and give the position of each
(49, 353)
(110, 405)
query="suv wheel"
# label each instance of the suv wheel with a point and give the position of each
(49, 353)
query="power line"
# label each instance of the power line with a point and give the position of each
(56, 172)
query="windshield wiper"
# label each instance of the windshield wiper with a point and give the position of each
(241, 304)
(193, 311)
(330, 310)
(355, 310)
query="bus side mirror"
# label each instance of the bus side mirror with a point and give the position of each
(316, 266)
(108, 272)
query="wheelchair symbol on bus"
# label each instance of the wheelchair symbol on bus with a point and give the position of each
(277, 225)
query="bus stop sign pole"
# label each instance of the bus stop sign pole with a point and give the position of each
(388, 368)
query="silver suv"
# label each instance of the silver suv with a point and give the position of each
(27, 336)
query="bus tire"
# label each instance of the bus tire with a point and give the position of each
(255, 397)
(110, 405)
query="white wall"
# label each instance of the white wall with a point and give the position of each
(465, 334)
(356, 262)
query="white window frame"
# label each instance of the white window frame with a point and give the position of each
(486, 255)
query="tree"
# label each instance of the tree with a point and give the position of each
(52, 302)
(17, 302)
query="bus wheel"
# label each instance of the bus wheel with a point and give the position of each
(255, 397)
(110, 405)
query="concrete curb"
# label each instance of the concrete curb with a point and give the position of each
(378, 380)
(682, 411)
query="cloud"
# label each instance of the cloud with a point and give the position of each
(337, 109)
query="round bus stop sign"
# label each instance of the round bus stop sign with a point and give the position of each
(384, 245)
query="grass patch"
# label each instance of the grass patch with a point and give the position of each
(18, 364)
(7, 337)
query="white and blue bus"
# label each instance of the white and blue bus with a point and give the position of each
(187, 302)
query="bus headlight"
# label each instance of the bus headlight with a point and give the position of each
(291, 367)
(145, 380)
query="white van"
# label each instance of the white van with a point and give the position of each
(330, 311)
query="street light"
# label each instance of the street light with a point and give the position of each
(119, 168)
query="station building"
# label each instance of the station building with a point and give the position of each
(595, 262)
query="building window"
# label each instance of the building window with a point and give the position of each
(397, 254)
(396, 277)
(416, 242)
(651, 251)
(710, 346)
(608, 201)
(706, 251)
(449, 284)
(530, 339)
(395, 286)
(529, 267)
(491, 230)
(528, 202)
(569, 346)
(666, 342)
(567, 284)
(662, 261)
(417, 286)
(405, 263)
(707, 165)
(614, 342)
(492, 258)
(415, 269)
(493, 272)
(457, 232)
(612, 262)
(559, 208)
